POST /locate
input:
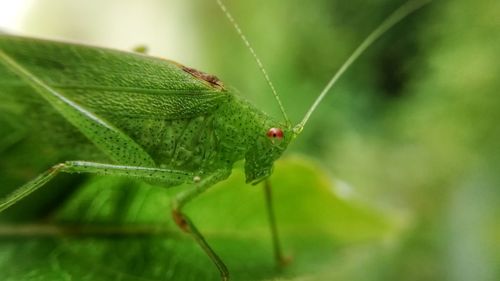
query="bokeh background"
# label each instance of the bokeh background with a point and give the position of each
(410, 132)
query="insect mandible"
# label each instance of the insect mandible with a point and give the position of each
(203, 127)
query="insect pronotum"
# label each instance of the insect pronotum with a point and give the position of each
(195, 116)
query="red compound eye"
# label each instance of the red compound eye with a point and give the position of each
(275, 133)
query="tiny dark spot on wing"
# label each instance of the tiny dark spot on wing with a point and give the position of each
(211, 79)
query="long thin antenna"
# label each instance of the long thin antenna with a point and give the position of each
(257, 60)
(401, 13)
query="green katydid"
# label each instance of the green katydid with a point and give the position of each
(164, 122)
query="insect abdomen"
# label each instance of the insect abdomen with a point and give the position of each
(185, 144)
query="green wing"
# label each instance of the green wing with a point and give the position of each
(112, 83)
(122, 102)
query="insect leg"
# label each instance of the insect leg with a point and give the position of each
(278, 255)
(187, 226)
(95, 168)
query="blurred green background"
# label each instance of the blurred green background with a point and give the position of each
(409, 133)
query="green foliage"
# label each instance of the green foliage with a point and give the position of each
(412, 128)
(114, 228)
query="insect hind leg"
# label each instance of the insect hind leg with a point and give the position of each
(185, 223)
(145, 173)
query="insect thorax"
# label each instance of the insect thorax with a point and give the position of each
(243, 132)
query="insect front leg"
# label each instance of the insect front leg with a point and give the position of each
(278, 255)
(95, 168)
(187, 226)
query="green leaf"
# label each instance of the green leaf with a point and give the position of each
(115, 228)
